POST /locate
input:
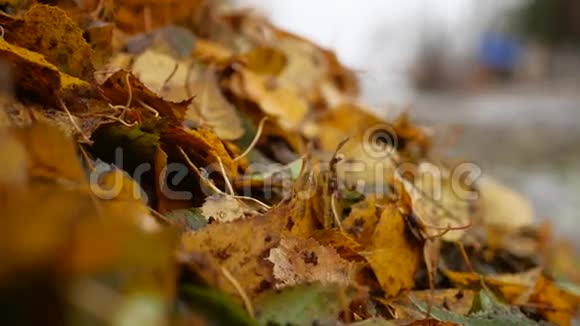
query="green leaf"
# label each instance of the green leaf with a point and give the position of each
(305, 304)
(215, 307)
(191, 217)
(126, 147)
(486, 311)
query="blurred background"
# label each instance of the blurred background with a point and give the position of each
(497, 80)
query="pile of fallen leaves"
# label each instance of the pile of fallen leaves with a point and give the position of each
(180, 162)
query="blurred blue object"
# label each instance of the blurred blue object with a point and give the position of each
(499, 52)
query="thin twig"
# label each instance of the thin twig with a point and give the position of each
(188, 79)
(335, 213)
(225, 176)
(175, 67)
(254, 141)
(72, 120)
(148, 107)
(240, 290)
(130, 90)
(266, 206)
(86, 157)
(465, 257)
(201, 176)
(159, 216)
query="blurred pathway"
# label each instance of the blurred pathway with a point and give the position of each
(526, 136)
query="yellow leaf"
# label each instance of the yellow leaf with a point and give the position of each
(392, 254)
(282, 103)
(503, 207)
(211, 108)
(210, 51)
(362, 220)
(265, 60)
(49, 154)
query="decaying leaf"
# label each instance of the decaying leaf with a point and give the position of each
(298, 261)
(223, 208)
(455, 301)
(527, 288)
(303, 304)
(242, 247)
(219, 170)
(49, 31)
(488, 311)
(32, 73)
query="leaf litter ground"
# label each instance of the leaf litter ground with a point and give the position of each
(182, 162)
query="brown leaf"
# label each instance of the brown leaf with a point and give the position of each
(458, 301)
(204, 148)
(242, 247)
(165, 204)
(35, 76)
(49, 31)
(297, 260)
(130, 13)
(118, 92)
